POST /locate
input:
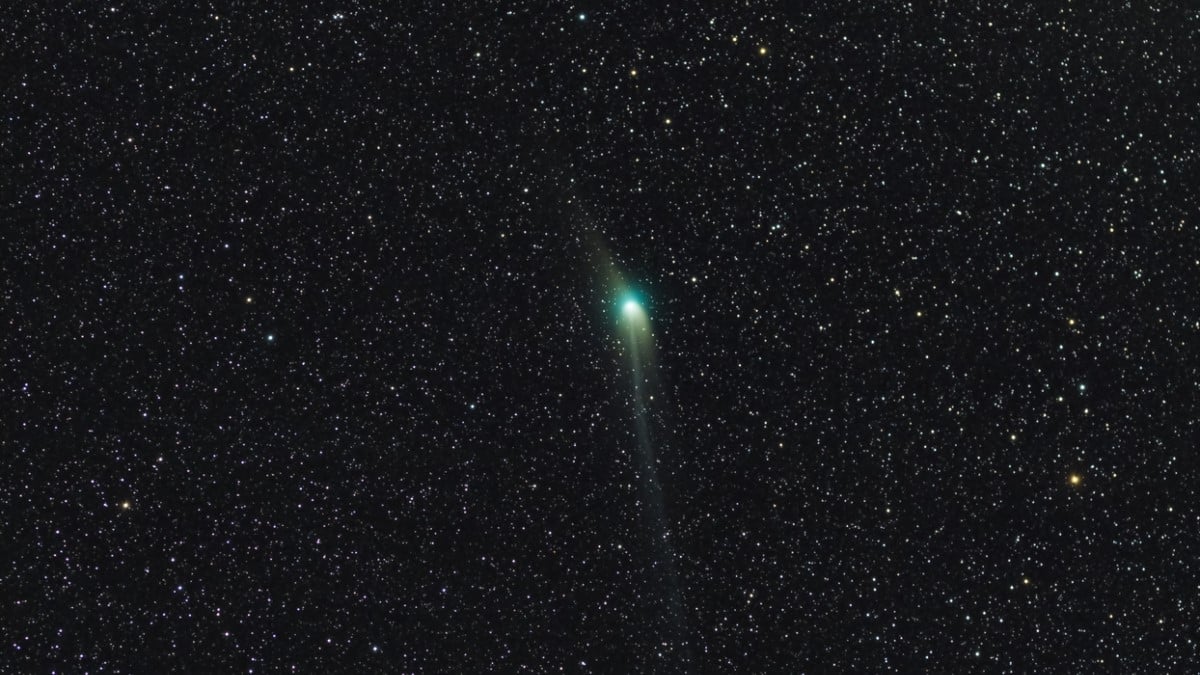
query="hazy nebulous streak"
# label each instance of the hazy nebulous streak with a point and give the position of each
(639, 345)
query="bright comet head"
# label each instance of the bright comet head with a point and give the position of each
(631, 307)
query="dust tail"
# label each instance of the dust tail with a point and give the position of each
(663, 573)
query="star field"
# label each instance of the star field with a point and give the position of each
(311, 359)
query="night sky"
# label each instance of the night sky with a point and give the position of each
(490, 337)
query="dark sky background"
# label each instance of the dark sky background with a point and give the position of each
(310, 359)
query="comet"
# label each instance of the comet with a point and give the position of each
(635, 335)
(638, 340)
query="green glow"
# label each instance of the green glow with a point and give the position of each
(636, 324)
(629, 303)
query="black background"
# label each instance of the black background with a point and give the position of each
(910, 267)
